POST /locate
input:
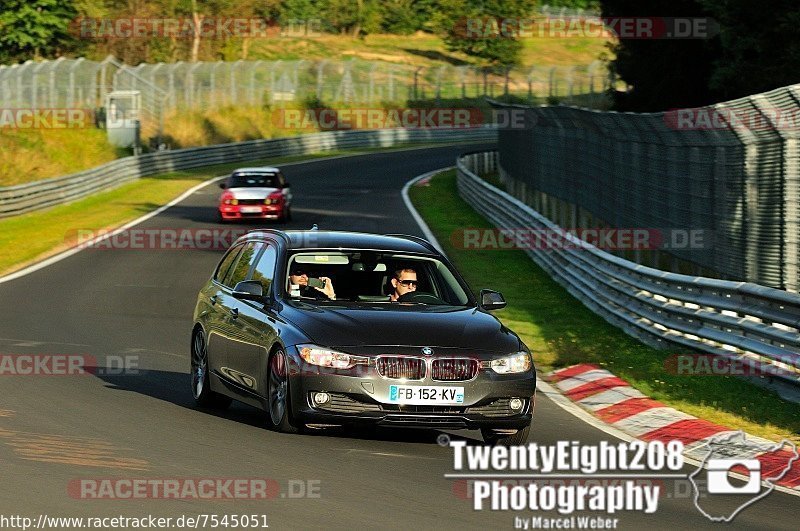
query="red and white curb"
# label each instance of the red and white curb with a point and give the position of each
(617, 404)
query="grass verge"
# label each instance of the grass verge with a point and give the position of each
(31, 237)
(561, 331)
(32, 154)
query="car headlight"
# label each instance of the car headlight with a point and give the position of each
(519, 362)
(329, 358)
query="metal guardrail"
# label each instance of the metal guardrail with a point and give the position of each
(41, 194)
(749, 323)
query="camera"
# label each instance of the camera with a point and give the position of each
(719, 483)
(316, 283)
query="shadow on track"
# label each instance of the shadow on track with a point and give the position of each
(173, 387)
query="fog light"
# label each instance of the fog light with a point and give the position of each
(515, 404)
(321, 398)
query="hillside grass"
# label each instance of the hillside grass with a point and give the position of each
(419, 49)
(28, 155)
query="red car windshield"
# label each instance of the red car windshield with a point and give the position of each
(260, 180)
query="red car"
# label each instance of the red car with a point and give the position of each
(255, 193)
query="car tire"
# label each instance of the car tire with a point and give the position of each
(495, 439)
(279, 406)
(201, 388)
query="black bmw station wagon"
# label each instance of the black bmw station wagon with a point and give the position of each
(326, 328)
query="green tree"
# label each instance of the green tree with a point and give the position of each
(34, 28)
(757, 49)
(300, 10)
(760, 46)
(404, 17)
(399, 17)
(353, 17)
(662, 73)
(472, 28)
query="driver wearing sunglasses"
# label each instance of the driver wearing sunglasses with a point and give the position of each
(404, 281)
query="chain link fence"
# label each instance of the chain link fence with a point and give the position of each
(171, 88)
(728, 173)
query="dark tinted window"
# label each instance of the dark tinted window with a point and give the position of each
(254, 179)
(225, 263)
(265, 268)
(365, 276)
(246, 258)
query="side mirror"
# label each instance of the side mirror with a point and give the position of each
(286, 185)
(249, 290)
(492, 300)
(222, 184)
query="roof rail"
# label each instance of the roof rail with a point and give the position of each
(417, 239)
(271, 231)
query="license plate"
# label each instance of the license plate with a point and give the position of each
(250, 210)
(425, 394)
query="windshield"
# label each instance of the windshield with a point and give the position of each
(254, 179)
(371, 278)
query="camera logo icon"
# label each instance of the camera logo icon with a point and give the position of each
(722, 489)
(718, 482)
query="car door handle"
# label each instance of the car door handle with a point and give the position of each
(213, 300)
(234, 313)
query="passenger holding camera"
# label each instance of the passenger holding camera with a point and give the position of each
(313, 288)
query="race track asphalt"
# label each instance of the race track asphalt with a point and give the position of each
(55, 430)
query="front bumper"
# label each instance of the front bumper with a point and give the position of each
(264, 212)
(363, 399)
